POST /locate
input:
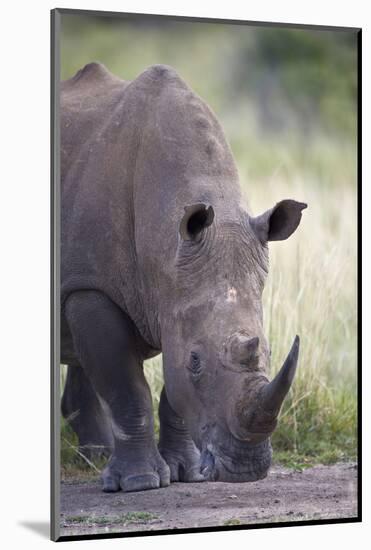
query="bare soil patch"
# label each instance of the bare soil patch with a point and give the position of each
(321, 492)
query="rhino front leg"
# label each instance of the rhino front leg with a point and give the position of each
(83, 411)
(109, 349)
(176, 445)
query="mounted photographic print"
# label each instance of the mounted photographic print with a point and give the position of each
(205, 320)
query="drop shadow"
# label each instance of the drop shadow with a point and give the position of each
(42, 528)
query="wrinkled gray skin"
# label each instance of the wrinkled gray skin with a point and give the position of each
(159, 254)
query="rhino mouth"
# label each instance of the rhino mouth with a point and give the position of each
(251, 464)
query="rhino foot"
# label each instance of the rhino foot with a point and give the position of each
(111, 352)
(184, 464)
(176, 445)
(138, 475)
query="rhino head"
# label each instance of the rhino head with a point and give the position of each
(216, 357)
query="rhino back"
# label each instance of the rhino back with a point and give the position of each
(97, 163)
(86, 99)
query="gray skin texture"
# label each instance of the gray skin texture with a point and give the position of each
(159, 254)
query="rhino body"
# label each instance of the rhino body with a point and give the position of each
(158, 254)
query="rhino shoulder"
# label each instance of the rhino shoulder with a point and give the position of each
(160, 76)
(160, 72)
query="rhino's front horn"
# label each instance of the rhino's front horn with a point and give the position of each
(274, 393)
(257, 421)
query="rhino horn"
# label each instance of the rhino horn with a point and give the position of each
(274, 393)
(258, 420)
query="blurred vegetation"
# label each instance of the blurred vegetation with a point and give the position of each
(287, 100)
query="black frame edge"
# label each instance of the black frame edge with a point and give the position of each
(52, 235)
(359, 267)
(54, 278)
(310, 523)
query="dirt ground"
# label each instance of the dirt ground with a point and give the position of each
(321, 492)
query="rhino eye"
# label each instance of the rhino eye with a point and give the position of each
(195, 365)
(196, 218)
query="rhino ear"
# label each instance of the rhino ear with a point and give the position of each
(196, 218)
(278, 223)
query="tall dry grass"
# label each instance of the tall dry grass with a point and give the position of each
(311, 291)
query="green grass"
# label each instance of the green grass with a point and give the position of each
(102, 521)
(232, 521)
